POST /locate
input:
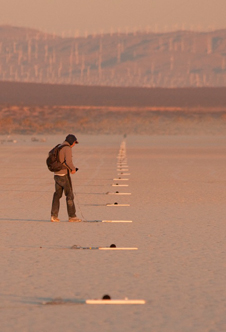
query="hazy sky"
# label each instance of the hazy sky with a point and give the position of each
(96, 15)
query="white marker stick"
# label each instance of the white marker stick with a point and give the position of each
(118, 248)
(60, 301)
(120, 185)
(119, 194)
(115, 302)
(117, 221)
(75, 247)
(113, 204)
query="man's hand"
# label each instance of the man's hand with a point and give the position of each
(73, 172)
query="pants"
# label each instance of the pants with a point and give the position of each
(63, 183)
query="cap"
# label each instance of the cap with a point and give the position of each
(71, 139)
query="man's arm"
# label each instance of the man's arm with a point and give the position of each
(68, 160)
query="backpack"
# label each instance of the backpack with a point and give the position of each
(53, 162)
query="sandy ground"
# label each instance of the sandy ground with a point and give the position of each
(178, 211)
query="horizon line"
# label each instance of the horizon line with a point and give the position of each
(125, 31)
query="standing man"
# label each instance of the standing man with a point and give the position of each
(63, 181)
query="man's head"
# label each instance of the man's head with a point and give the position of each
(71, 139)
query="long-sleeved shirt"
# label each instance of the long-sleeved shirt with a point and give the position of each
(65, 155)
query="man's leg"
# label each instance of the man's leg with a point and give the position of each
(69, 197)
(59, 185)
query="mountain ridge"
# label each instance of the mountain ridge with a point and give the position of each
(141, 59)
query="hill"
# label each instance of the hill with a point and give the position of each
(145, 59)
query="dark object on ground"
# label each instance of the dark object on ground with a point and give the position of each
(106, 297)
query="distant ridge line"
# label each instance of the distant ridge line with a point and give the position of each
(7, 28)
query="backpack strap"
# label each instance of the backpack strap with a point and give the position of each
(60, 146)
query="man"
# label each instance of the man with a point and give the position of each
(63, 181)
